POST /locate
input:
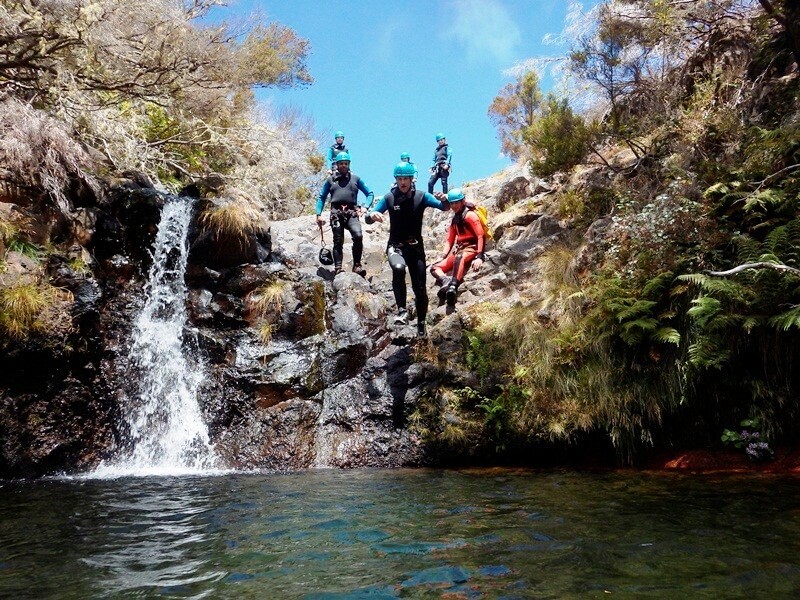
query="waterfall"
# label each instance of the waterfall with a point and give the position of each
(166, 431)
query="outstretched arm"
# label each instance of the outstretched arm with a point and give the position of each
(440, 201)
(377, 212)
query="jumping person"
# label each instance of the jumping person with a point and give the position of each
(441, 164)
(465, 245)
(334, 150)
(343, 187)
(406, 206)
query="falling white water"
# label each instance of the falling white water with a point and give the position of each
(166, 429)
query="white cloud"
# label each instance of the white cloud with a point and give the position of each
(485, 29)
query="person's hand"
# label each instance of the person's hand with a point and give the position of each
(432, 169)
(320, 221)
(360, 211)
(477, 264)
(446, 167)
(376, 216)
(440, 196)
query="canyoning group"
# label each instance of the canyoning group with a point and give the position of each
(405, 205)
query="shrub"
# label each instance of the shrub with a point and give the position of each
(558, 140)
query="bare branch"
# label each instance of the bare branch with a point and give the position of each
(756, 265)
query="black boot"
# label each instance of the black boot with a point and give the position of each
(451, 294)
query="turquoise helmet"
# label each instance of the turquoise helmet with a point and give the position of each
(338, 134)
(455, 195)
(404, 169)
(342, 156)
(439, 136)
(405, 156)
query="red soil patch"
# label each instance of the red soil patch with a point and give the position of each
(787, 460)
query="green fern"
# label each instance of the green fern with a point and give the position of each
(667, 335)
(786, 320)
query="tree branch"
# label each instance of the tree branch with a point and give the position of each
(756, 265)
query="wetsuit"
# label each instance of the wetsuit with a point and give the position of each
(332, 152)
(465, 241)
(405, 247)
(441, 167)
(343, 191)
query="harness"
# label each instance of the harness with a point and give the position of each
(414, 216)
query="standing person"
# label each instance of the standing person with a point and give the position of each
(334, 150)
(441, 164)
(343, 187)
(406, 206)
(406, 158)
(465, 245)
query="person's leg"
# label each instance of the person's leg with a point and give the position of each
(439, 271)
(337, 227)
(354, 227)
(416, 268)
(466, 256)
(432, 181)
(445, 175)
(398, 265)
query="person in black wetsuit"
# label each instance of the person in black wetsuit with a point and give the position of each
(343, 187)
(441, 164)
(334, 150)
(406, 206)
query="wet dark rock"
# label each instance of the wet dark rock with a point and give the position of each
(320, 378)
(243, 279)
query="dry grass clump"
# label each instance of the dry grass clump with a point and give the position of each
(7, 230)
(267, 300)
(26, 307)
(235, 215)
(265, 305)
(265, 332)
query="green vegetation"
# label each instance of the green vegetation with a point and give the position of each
(681, 316)
(29, 307)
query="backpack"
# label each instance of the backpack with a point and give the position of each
(483, 216)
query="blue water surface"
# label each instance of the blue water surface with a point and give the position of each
(327, 534)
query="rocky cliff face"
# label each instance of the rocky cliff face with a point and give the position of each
(315, 376)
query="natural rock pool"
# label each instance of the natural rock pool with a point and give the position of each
(495, 533)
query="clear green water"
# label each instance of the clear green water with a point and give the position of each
(402, 534)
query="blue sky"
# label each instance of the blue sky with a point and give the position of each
(391, 75)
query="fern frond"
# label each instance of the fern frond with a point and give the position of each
(786, 320)
(667, 335)
(657, 284)
(703, 309)
(640, 307)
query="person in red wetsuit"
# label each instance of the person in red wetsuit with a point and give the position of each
(465, 245)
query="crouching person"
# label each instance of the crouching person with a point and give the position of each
(465, 245)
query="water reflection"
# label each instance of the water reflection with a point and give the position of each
(158, 538)
(388, 534)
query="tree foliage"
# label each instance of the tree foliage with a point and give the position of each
(514, 110)
(156, 87)
(557, 140)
